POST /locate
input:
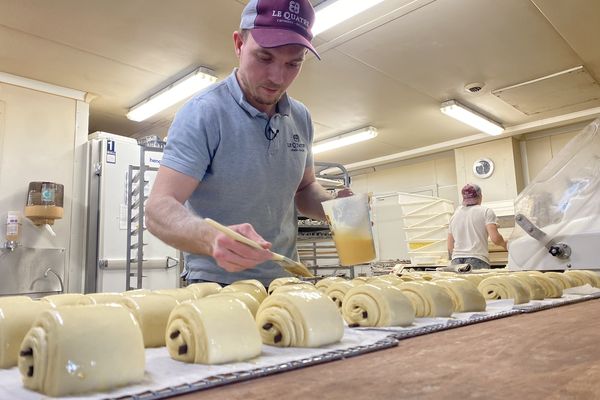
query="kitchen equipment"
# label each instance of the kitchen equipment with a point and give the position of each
(558, 213)
(350, 224)
(291, 266)
(110, 157)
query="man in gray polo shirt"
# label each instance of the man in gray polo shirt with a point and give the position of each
(240, 153)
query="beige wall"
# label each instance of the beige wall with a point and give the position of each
(432, 175)
(449, 172)
(506, 181)
(41, 139)
(540, 150)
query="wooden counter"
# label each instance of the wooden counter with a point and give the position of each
(551, 354)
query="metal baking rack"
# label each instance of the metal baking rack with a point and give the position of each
(137, 194)
(241, 376)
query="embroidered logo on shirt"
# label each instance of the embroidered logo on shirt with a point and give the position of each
(296, 144)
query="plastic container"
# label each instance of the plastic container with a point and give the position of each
(426, 233)
(413, 220)
(430, 258)
(350, 223)
(13, 228)
(423, 246)
(420, 204)
(426, 220)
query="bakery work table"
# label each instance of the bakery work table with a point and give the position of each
(551, 354)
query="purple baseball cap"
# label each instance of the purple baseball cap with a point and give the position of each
(471, 194)
(275, 23)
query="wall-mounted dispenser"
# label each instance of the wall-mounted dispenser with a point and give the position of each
(13, 231)
(44, 202)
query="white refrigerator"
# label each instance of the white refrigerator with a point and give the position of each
(109, 158)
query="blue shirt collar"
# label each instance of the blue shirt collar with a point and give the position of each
(283, 106)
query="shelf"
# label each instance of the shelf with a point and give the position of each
(313, 227)
(314, 238)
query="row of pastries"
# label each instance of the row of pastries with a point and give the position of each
(69, 343)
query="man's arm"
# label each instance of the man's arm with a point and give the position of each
(168, 219)
(450, 245)
(495, 236)
(309, 196)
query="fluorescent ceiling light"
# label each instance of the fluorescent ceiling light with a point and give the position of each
(470, 117)
(175, 92)
(331, 13)
(344, 139)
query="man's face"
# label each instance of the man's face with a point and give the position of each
(265, 74)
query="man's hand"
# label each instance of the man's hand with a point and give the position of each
(345, 192)
(234, 256)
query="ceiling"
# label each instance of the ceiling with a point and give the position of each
(389, 67)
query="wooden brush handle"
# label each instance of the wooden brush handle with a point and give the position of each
(233, 234)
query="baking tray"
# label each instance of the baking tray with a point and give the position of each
(234, 377)
(529, 308)
(391, 341)
(451, 324)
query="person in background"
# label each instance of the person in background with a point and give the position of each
(240, 152)
(469, 229)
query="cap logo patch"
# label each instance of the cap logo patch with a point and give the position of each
(295, 7)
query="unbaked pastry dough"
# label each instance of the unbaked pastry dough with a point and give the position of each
(504, 287)
(536, 290)
(282, 281)
(151, 311)
(204, 289)
(180, 294)
(552, 289)
(213, 330)
(137, 291)
(337, 291)
(391, 279)
(15, 320)
(428, 299)
(464, 294)
(72, 350)
(68, 299)
(426, 276)
(15, 299)
(324, 283)
(563, 280)
(247, 286)
(299, 318)
(475, 279)
(577, 279)
(105, 298)
(254, 282)
(245, 297)
(581, 277)
(377, 304)
(586, 276)
(294, 286)
(410, 278)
